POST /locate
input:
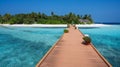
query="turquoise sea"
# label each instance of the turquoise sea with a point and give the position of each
(107, 41)
(24, 47)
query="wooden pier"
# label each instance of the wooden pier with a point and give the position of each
(70, 52)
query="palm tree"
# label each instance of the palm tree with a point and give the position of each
(52, 13)
(44, 16)
(7, 17)
(78, 16)
(0, 18)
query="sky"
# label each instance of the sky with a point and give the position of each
(101, 10)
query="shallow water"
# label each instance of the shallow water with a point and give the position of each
(24, 47)
(107, 41)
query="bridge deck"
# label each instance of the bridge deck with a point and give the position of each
(70, 52)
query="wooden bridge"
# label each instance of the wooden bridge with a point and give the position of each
(69, 51)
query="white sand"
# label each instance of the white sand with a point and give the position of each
(53, 25)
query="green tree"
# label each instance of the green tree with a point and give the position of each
(19, 18)
(39, 16)
(78, 16)
(52, 13)
(85, 16)
(90, 19)
(13, 20)
(0, 19)
(34, 16)
(7, 17)
(42, 18)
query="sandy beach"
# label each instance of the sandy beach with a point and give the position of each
(54, 25)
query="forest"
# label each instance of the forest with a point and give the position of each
(42, 18)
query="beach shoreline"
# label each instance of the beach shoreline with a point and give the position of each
(54, 25)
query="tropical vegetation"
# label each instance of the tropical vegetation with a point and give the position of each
(42, 18)
(66, 30)
(87, 39)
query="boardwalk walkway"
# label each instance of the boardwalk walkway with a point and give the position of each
(70, 52)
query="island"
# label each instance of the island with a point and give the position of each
(42, 18)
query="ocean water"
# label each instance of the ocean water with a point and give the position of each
(24, 47)
(107, 42)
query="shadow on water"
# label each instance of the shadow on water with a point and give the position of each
(6, 27)
(28, 31)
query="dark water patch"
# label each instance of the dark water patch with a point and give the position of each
(50, 27)
(112, 23)
(28, 31)
(57, 37)
(6, 27)
(88, 27)
(34, 32)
